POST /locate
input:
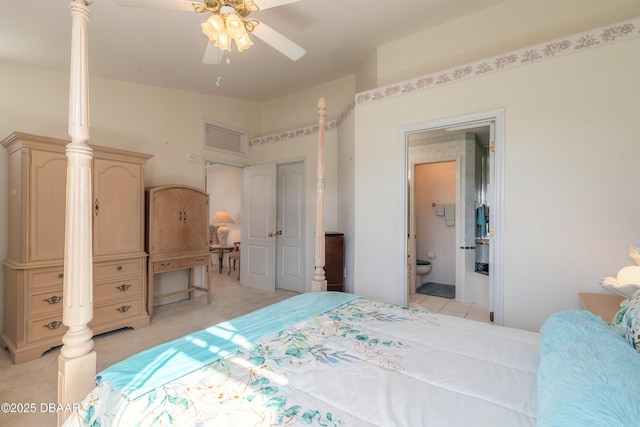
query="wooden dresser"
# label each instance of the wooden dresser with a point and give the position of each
(177, 236)
(33, 270)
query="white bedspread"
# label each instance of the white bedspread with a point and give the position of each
(362, 364)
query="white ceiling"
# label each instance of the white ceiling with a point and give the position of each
(165, 48)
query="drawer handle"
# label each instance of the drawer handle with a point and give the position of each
(124, 308)
(119, 268)
(53, 300)
(200, 259)
(164, 264)
(123, 287)
(53, 325)
(61, 275)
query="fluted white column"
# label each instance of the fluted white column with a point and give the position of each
(319, 282)
(77, 363)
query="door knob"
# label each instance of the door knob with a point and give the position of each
(270, 234)
(279, 233)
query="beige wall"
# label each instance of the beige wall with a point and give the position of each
(507, 26)
(570, 160)
(293, 111)
(165, 123)
(569, 123)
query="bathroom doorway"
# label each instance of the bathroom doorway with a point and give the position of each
(434, 224)
(473, 143)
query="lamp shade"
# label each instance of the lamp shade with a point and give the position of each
(222, 217)
(629, 275)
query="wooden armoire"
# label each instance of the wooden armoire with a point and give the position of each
(177, 236)
(33, 270)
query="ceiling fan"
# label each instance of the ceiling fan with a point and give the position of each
(229, 20)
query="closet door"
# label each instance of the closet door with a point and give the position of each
(47, 204)
(118, 207)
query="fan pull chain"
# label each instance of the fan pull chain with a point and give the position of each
(227, 62)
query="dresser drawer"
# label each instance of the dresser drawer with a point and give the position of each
(194, 261)
(116, 311)
(41, 303)
(169, 265)
(45, 278)
(45, 328)
(109, 270)
(119, 289)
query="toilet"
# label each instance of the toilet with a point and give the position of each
(422, 269)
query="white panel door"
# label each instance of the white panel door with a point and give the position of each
(257, 268)
(290, 220)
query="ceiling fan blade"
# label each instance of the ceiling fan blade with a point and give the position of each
(185, 5)
(211, 54)
(278, 41)
(268, 4)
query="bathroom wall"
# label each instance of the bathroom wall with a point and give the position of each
(435, 183)
(433, 147)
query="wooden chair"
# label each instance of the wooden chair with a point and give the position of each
(235, 256)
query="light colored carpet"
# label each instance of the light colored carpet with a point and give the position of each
(36, 381)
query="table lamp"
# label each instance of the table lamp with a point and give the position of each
(222, 217)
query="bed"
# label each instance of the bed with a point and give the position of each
(337, 359)
(326, 358)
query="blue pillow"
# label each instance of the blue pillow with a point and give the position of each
(627, 321)
(588, 375)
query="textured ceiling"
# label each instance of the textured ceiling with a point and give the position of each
(165, 48)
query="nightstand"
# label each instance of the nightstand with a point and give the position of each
(603, 305)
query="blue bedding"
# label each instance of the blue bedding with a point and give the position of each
(149, 369)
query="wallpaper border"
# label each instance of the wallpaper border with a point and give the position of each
(568, 45)
(533, 54)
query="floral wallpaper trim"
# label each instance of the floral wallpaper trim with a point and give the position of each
(304, 131)
(559, 47)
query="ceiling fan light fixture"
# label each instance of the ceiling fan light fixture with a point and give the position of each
(225, 26)
(224, 41)
(235, 27)
(212, 26)
(243, 42)
(226, 10)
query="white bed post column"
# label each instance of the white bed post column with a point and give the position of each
(319, 282)
(77, 361)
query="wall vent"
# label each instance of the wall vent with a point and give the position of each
(220, 137)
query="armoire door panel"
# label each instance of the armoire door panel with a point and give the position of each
(47, 194)
(166, 232)
(117, 218)
(195, 212)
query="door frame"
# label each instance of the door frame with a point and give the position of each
(208, 160)
(496, 251)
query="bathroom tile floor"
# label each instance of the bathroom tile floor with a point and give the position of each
(450, 307)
